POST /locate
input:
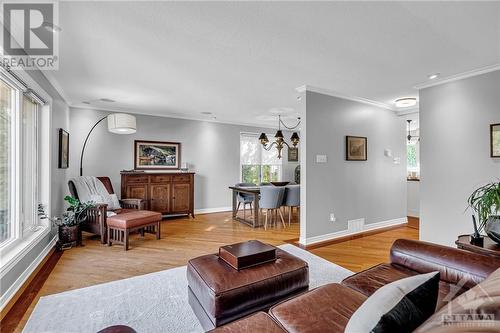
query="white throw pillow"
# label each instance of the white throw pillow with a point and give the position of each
(400, 306)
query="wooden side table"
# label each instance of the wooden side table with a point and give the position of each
(490, 248)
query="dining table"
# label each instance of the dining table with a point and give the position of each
(252, 190)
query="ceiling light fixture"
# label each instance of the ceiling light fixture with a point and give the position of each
(107, 100)
(207, 113)
(433, 76)
(279, 140)
(406, 102)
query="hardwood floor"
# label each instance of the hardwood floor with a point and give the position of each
(182, 239)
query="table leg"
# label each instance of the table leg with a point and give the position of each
(234, 203)
(256, 217)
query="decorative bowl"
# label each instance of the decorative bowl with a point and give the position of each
(280, 183)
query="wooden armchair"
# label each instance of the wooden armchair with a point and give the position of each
(96, 217)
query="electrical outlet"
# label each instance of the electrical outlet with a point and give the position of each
(332, 217)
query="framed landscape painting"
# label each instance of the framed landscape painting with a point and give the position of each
(495, 140)
(356, 148)
(63, 149)
(156, 155)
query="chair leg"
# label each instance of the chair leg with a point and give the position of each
(289, 215)
(244, 211)
(281, 216)
(265, 223)
(158, 230)
(110, 242)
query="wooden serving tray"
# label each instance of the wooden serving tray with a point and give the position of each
(247, 254)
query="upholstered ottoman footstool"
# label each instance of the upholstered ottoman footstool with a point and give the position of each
(120, 226)
(220, 294)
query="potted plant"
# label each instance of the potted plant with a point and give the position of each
(68, 224)
(485, 202)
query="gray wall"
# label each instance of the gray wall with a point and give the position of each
(375, 189)
(211, 149)
(60, 119)
(454, 152)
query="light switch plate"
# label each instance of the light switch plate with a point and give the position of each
(321, 159)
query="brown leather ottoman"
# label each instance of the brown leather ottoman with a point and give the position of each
(120, 225)
(220, 294)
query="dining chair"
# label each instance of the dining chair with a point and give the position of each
(271, 198)
(244, 198)
(291, 199)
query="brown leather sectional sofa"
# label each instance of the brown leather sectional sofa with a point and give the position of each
(471, 281)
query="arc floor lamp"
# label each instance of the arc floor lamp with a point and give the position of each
(118, 123)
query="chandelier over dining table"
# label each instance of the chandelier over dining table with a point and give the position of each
(279, 140)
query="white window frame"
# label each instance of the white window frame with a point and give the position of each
(21, 242)
(241, 165)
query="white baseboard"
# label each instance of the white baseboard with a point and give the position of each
(343, 233)
(26, 274)
(212, 210)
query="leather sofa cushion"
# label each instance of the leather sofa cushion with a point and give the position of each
(368, 281)
(133, 219)
(223, 291)
(482, 299)
(455, 265)
(324, 309)
(259, 322)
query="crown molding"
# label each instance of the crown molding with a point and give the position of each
(125, 110)
(456, 77)
(328, 92)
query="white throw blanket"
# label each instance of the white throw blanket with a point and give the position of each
(92, 189)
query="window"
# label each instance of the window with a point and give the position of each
(257, 164)
(413, 158)
(19, 165)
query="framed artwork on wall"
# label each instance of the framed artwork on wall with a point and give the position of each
(156, 155)
(356, 148)
(63, 149)
(495, 140)
(293, 154)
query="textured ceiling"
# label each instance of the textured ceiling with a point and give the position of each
(238, 60)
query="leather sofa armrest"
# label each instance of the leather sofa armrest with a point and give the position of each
(456, 266)
(132, 203)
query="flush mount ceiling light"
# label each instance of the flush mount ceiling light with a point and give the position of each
(207, 113)
(104, 100)
(406, 102)
(433, 76)
(279, 140)
(51, 27)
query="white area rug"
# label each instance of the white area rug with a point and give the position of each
(156, 302)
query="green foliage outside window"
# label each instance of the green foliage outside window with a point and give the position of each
(253, 174)
(412, 156)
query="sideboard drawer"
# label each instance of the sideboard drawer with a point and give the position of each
(137, 179)
(160, 178)
(181, 178)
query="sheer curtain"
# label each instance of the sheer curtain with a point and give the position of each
(6, 163)
(29, 144)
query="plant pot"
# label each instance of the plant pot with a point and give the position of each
(69, 236)
(492, 228)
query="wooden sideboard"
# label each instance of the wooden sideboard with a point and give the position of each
(168, 193)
